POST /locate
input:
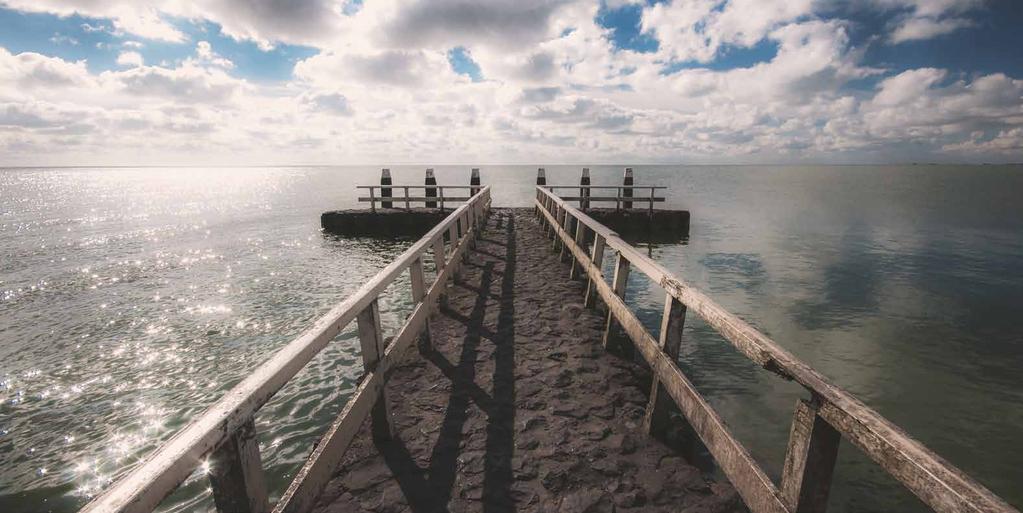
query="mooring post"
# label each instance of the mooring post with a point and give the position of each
(236, 474)
(584, 193)
(809, 461)
(474, 180)
(627, 191)
(597, 257)
(385, 192)
(372, 342)
(431, 192)
(660, 405)
(618, 285)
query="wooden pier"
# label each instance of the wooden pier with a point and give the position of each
(515, 399)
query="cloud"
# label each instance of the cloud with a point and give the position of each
(204, 52)
(552, 86)
(917, 28)
(926, 19)
(132, 59)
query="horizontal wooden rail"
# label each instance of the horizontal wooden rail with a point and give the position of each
(433, 195)
(818, 425)
(466, 187)
(644, 187)
(623, 197)
(225, 430)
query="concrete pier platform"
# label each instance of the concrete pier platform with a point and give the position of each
(515, 406)
(383, 222)
(636, 224)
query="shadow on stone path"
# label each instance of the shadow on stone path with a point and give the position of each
(516, 406)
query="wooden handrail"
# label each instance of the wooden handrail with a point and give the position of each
(818, 424)
(645, 187)
(399, 186)
(225, 428)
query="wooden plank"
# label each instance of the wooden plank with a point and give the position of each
(809, 461)
(317, 471)
(939, 484)
(596, 258)
(236, 474)
(620, 283)
(659, 407)
(371, 340)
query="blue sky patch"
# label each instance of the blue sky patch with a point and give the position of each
(76, 38)
(624, 23)
(463, 64)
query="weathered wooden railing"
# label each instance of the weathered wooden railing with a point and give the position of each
(818, 424)
(433, 195)
(226, 430)
(622, 197)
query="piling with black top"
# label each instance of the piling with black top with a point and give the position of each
(431, 192)
(541, 177)
(627, 193)
(385, 192)
(584, 193)
(474, 179)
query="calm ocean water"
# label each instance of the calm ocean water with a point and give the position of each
(131, 299)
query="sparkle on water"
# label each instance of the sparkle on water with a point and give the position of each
(131, 299)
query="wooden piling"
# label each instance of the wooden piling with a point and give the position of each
(474, 180)
(385, 192)
(584, 193)
(430, 192)
(627, 192)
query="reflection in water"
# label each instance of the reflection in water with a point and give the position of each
(131, 299)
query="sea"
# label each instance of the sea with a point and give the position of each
(133, 298)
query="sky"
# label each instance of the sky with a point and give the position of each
(273, 82)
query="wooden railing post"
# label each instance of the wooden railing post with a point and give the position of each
(418, 293)
(597, 257)
(372, 341)
(580, 237)
(619, 284)
(236, 474)
(559, 218)
(407, 206)
(809, 462)
(660, 405)
(567, 226)
(372, 200)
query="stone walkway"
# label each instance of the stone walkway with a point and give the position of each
(517, 407)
